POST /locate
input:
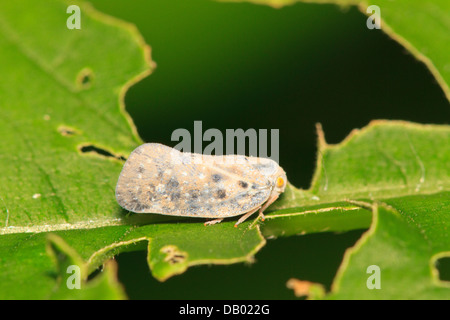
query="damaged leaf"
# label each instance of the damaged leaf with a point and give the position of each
(65, 135)
(64, 139)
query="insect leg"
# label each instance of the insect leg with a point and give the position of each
(245, 216)
(267, 204)
(210, 222)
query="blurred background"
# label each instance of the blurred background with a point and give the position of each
(238, 65)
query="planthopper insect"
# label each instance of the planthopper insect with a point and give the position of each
(159, 179)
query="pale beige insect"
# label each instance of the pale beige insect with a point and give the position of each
(163, 180)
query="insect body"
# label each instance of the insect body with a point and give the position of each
(163, 180)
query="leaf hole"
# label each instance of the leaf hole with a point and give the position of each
(95, 273)
(85, 78)
(67, 131)
(92, 149)
(173, 254)
(443, 268)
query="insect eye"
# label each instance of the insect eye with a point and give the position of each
(280, 182)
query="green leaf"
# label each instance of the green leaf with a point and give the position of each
(398, 171)
(47, 118)
(73, 272)
(409, 169)
(406, 238)
(49, 113)
(387, 159)
(62, 149)
(65, 134)
(422, 27)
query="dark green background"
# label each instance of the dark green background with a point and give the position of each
(238, 65)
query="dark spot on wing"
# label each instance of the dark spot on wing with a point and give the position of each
(220, 194)
(173, 183)
(216, 177)
(137, 206)
(243, 184)
(194, 193)
(175, 196)
(141, 169)
(207, 207)
(193, 208)
(258, 196)
(234, 203)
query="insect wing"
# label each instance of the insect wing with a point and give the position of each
(159, 179)
(267, 167)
